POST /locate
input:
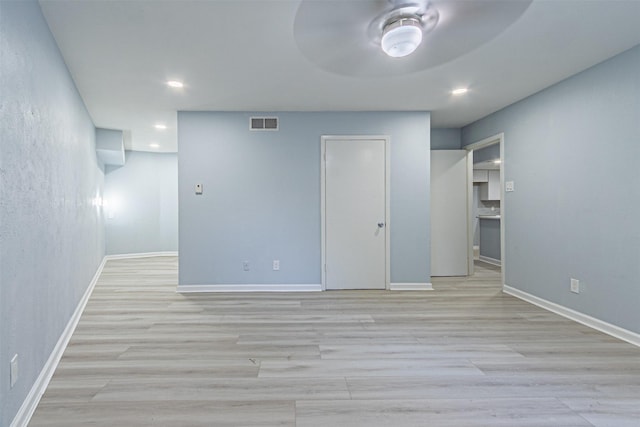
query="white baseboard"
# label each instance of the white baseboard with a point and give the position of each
(492, 261)
(142, 255)
(410, 287)
(592, 322)
(306, 287)
(30, 403)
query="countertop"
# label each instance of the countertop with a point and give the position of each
(489, 216)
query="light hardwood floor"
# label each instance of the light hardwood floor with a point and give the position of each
(464, 354)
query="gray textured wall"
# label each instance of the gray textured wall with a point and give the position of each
(572, 151)
(143, 197)
(51, 234)
(261, 196)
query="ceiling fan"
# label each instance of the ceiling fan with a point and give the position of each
(375, 38)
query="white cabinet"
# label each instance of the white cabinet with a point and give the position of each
(491, 189)
(480, 175)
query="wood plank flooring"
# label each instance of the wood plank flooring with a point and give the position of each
(464, 354)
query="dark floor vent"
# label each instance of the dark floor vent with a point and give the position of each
(264, 123)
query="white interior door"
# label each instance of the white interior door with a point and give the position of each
(449, 244)
(355, 229)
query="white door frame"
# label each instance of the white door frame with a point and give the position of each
(495, 139)
(387, 180)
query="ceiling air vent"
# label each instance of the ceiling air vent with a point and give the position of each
(263, 123)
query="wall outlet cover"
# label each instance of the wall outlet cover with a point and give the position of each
(509, 186)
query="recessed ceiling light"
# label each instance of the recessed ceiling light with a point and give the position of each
(154, 145)
(497, 161)
(175, 84)
(160, 126)
(459, 91)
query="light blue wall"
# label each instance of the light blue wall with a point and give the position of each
(446, 138)
(261, 196)
(110, 146)
(51, 234)
(491, 152)
(573, 151)
(142, 197)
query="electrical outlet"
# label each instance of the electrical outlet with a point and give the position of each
(276, 264)
(245, 266)
(509, 186)
(14, 370)
(575, 286)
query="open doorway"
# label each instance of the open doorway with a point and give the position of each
(485, 202)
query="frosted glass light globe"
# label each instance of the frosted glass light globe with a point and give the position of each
(402, 37)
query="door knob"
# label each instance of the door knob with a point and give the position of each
(380, 224)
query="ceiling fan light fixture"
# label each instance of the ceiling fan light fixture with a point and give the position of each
(401, 37)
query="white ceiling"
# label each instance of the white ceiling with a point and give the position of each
(242, 56)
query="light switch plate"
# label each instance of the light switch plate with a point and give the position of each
(575, 286)
(509, 186)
